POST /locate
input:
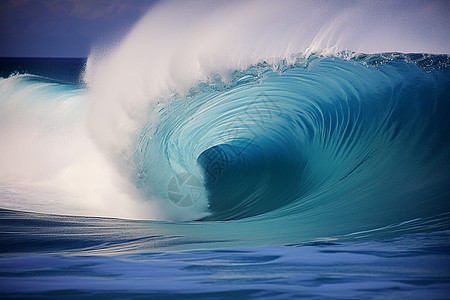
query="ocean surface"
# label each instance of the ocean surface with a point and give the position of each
(158, 171)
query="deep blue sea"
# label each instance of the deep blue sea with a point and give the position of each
(322, 178)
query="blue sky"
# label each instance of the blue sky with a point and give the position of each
(64, 28)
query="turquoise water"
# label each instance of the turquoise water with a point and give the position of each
(322, 178)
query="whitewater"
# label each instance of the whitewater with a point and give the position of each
(241, 149)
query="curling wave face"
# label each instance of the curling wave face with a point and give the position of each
(326, 138)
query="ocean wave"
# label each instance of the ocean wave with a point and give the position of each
(276, 121)
(305, 140)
